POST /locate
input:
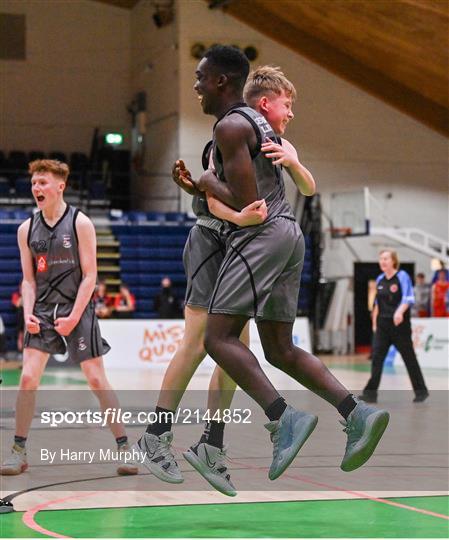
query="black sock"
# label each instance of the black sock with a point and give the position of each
(121, 440)
(276, 409)
(347, 406)
(163, 423)
(20, 441)
(205, 435)
(213, 432)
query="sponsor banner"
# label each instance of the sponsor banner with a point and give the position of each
(151, 344)
(431, 342)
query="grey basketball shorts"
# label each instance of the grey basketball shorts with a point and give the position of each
(203, 254)
(85, 341)
(261, 272)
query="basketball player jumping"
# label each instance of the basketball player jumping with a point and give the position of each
(260, 275)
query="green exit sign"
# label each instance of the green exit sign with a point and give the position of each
(115, 139)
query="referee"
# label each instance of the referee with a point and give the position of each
(391, 326)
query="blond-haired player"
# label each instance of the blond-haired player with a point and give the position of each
(59, 264)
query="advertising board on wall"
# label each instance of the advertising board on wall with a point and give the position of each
(150, 344)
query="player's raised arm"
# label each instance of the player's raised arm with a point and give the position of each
(28, 282)
(87, 249)
(287, 156)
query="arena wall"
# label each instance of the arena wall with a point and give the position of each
(75, 76)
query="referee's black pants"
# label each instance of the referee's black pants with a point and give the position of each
(401, 337)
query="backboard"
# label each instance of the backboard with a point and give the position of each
(349, 213)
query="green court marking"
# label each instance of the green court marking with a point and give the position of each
(11, 526)
(12, 377)
(312, 519)
(352, 367)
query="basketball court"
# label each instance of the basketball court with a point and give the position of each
(400, 492)
(106, 87)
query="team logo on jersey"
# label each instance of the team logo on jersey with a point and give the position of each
(41, 263)
(66, 241)
(394, 288)
(263, 124)
(81, 345)
(39, 246)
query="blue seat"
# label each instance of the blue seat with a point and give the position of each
(151, 241)
(5, 186)
(5, 305)
(174, 241)
(11, 278)
(9, 319)
(22, 187)
(149, 252)
(131, 266)
(132, 280)
(129, 253)
(145, 304)
(7, 239)
(178, 217)
(137, 217)
(11, 265)
(142, 292)
(7, 290)
(153, 253)
(9, 252)
(128, 241)
(21, 214)
(156, 216)
(145, 315)
(166, 266)
(120, 229)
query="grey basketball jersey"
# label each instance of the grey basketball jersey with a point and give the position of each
(199, 202)
(269, 179)
(56, 259)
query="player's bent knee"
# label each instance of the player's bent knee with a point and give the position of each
(279, 357)
(196, 353)
(211, 344)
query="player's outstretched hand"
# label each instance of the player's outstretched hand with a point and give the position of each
(253, 214)
(65, 325)
(32, 324)
(284, 154)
